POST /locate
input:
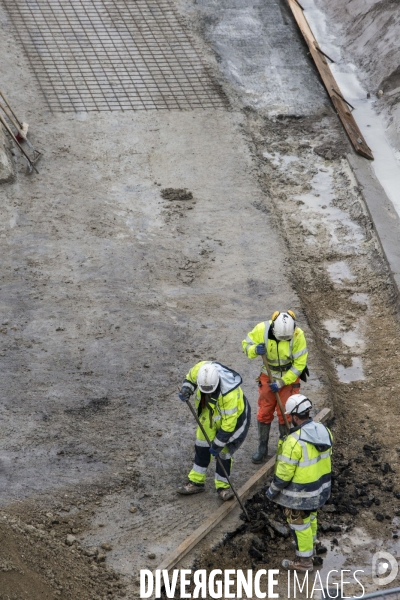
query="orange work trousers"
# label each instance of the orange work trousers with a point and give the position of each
(267, 403)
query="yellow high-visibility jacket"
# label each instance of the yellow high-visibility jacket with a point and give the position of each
(287, 359)
(227, 405)
(302, 477)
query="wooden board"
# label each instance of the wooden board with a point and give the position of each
(342, 108)
(250, 486)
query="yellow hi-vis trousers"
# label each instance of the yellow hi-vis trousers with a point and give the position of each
(202, 458)
(303, 525)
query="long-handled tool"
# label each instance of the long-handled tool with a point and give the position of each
(192, 410)
(20, 135)
(22, 128)
(10, 109)
(31, 163)
(266, 365)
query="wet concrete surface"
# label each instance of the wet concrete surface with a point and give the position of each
(261, 54)
(111, 292)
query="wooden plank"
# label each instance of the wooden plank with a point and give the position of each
(250, 486)
(342, 108)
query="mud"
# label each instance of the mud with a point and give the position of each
(41, 558)
(176, 194)
(369, 31)
(364, 482)
(148, 242)
(350, 304)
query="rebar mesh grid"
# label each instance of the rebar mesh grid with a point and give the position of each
(95, 55)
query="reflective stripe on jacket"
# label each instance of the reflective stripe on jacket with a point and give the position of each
(302, 477)
(287, 359)
(227, 406)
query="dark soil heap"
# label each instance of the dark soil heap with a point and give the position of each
(361, 482)
(41, 558)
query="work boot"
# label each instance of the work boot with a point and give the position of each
(300, 563)
(282, 431)
(190, 488)
(225, 494)
(263, 437)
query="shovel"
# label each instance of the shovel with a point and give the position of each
(192, 410)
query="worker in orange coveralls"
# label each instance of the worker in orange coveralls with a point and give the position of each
(285, 347)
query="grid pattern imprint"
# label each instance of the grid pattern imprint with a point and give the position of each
(95, 55)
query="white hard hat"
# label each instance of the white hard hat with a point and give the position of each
(297, 404)
(284, 325)
(208, 378)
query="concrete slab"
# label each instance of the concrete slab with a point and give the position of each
(261, 53)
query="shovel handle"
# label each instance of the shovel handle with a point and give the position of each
(31, 165)
(266, 365)
(12, 112)
(199, 423)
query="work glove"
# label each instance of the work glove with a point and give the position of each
(260, 349)
(274, 386)
(185, 393)
(214, 452)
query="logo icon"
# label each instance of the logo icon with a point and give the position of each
(384, 568)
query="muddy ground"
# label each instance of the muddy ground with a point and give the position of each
(348, 296)
(369, 33)
(112, 287)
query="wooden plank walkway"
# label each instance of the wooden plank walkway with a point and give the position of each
(340, 104)
(250, 486)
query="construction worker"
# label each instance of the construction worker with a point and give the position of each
(302, 480)
(225, 414)
(284, 345)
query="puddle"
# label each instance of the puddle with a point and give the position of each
(319, 202)
(340, 271)
(280, 160)
(353, 373)
(319, 205)
(352, 338)
(334, 328)
(372, 126)
(360, 298)
(354, 550)
(273, 158)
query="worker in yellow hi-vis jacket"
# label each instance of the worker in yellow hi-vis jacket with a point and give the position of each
(302, 480)
(285, 347)
(225, 415)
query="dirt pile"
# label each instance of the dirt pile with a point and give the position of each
(176, 194)
(40, 557)
(358, 483)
